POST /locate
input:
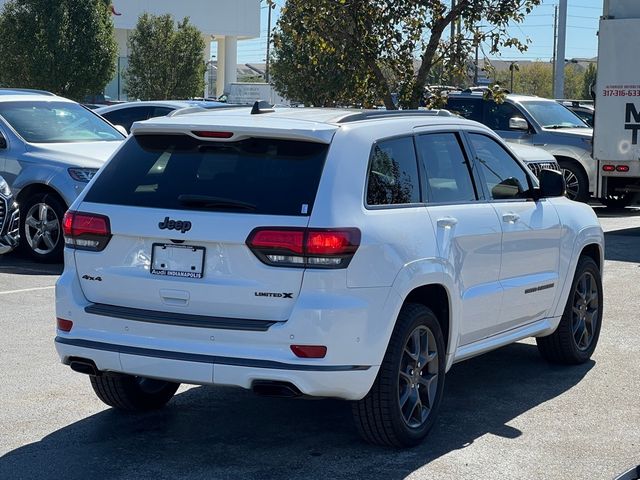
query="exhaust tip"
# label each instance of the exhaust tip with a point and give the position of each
(269, 388)
(81, 365)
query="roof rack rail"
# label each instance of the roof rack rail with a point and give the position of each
(367, 115)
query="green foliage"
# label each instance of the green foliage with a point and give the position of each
(67, 46)
(588, 80)
(165, 62)
(536, 78)
(361, 51)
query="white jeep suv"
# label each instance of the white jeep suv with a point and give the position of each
(325, 253)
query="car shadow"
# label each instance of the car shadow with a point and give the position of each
(18, 264)
(604, 212)
(622, 245)
(209, 432)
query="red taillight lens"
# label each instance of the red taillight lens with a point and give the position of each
(304, 247)
(309, 351)
(86, 231)
(207, 134)
(608, 168)
(622, 168)
(64, 325)
(291, 240)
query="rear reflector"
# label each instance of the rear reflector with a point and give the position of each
(304, 247)
(64, 325)
(208, 134)
(86, 231)
(622, 168)
(309, 351)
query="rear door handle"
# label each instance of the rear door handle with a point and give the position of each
(510, 217)
(447, 222)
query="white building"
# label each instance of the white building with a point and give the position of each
(222, 21)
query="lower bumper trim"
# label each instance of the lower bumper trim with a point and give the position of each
(201, 358)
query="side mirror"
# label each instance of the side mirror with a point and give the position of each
(3, 142)
(518, 123)
(122, 130)
(552, 184)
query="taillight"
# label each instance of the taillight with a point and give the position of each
(622, 168)
(304, 247)
(86, 231)
(608, 168)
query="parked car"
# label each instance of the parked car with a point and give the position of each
(326, 253)
(50, 148)
(540, 122)
(535, 158)
(125, 114)
(9, 219)
(584, 110)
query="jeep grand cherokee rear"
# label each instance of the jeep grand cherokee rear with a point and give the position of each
(328, 253)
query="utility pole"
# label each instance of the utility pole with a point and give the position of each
(558, 81)
(555, 41)
(266, 69)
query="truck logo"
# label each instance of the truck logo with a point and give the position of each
(180, 225)
(631, 111)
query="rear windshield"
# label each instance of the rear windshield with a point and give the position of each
(263, 176)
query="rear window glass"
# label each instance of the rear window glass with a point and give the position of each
(263, 176)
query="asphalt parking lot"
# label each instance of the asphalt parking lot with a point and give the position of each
(505, 415)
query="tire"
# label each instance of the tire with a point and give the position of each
(137, 394)
(577, 335)
(41, 227)
(576, 180)
(616, 202)
(381, 417)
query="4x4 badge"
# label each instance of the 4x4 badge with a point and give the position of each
(182, 226)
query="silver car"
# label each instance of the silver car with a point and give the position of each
(50, 148)
(542, 123)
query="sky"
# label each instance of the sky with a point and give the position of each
(582, 25)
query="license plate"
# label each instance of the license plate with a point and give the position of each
(174, 260)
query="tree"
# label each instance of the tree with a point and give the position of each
(374, 44)
(165, 62)
(589, 80)
(67, 47)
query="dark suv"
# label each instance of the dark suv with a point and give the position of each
(542, 123)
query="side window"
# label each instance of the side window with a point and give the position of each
(393, 173)
(160, 111)
(469, 108)
(125, 117)
(497, 115)
(446, 168)
(504, 177)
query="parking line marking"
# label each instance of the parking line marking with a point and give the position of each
(27, 290)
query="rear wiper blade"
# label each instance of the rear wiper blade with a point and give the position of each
(213, 202)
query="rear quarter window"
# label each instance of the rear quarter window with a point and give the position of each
(263, 176)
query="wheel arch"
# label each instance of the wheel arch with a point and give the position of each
(435, 297)
(594, 252)
(35, 188)
(578, 162)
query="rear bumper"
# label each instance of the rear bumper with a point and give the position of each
(353, 323)
(349, 382)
